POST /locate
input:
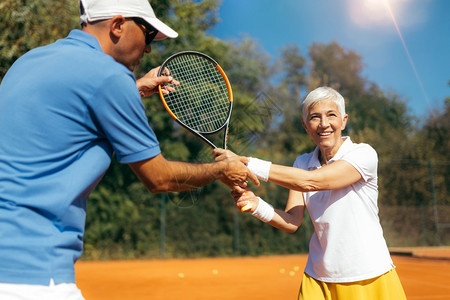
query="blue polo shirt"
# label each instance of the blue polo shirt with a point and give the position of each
(64, 110)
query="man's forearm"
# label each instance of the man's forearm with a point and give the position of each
(160, 175)
(183, 176)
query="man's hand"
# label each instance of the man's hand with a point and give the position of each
(222, 154)
(236, 174)
(148, 84)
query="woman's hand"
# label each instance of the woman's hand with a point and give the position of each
(245, 202)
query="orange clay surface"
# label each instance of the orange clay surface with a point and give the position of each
(425, 274)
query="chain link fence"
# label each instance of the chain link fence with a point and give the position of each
(414, 202)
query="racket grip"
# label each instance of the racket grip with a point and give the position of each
(247, 207)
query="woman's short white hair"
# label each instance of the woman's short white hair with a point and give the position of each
(320, 94)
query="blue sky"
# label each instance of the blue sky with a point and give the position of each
(404, 44)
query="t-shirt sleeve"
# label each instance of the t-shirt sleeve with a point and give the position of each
(301, 162)
(121, 115)
(365, 160)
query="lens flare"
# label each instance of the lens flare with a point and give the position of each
(379, 13)
(411, 61)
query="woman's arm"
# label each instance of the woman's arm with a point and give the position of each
(336, 175)
(288, 219)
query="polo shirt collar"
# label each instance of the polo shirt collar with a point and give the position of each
(85, 38)
(314, 162)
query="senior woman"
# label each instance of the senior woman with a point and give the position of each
(337, 183)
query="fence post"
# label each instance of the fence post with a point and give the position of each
(433, 197)
(163, 225)
(236, 231)
(422, 224)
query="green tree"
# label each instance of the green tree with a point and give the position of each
(124, 219)
(337, 67)
(25, 25)
(290, 136)
(433, 144)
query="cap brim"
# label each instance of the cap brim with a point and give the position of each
(164, 31)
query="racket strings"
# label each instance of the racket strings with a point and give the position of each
(202, 99)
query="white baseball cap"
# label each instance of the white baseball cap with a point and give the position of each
(95, 10)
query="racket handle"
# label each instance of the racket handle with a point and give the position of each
(247, 207)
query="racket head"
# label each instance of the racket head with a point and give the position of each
(203, 101)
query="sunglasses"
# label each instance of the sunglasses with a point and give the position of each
(149, 31)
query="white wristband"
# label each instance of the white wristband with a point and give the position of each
(259, 167)
(264, 211)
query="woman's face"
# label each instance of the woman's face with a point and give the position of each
(324, 124)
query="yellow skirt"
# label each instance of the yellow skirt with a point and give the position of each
(384, 287)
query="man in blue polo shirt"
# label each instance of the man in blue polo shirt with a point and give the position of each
(65, 109)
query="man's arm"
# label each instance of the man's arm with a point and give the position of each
(160, 175)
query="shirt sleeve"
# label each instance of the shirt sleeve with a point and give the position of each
(365, 160)
(121, 115)
(301, 162)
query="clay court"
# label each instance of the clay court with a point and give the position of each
(424, 272)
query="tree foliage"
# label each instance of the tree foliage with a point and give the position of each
(124, 220)
(25, 25)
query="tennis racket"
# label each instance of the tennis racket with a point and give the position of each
(203, 101)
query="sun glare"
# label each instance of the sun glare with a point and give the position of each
(367, 13)
(374, 3)
(377, 13)
(382, 13)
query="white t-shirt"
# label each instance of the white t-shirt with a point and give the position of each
(348, 243)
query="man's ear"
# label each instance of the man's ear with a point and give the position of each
(116, 27)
